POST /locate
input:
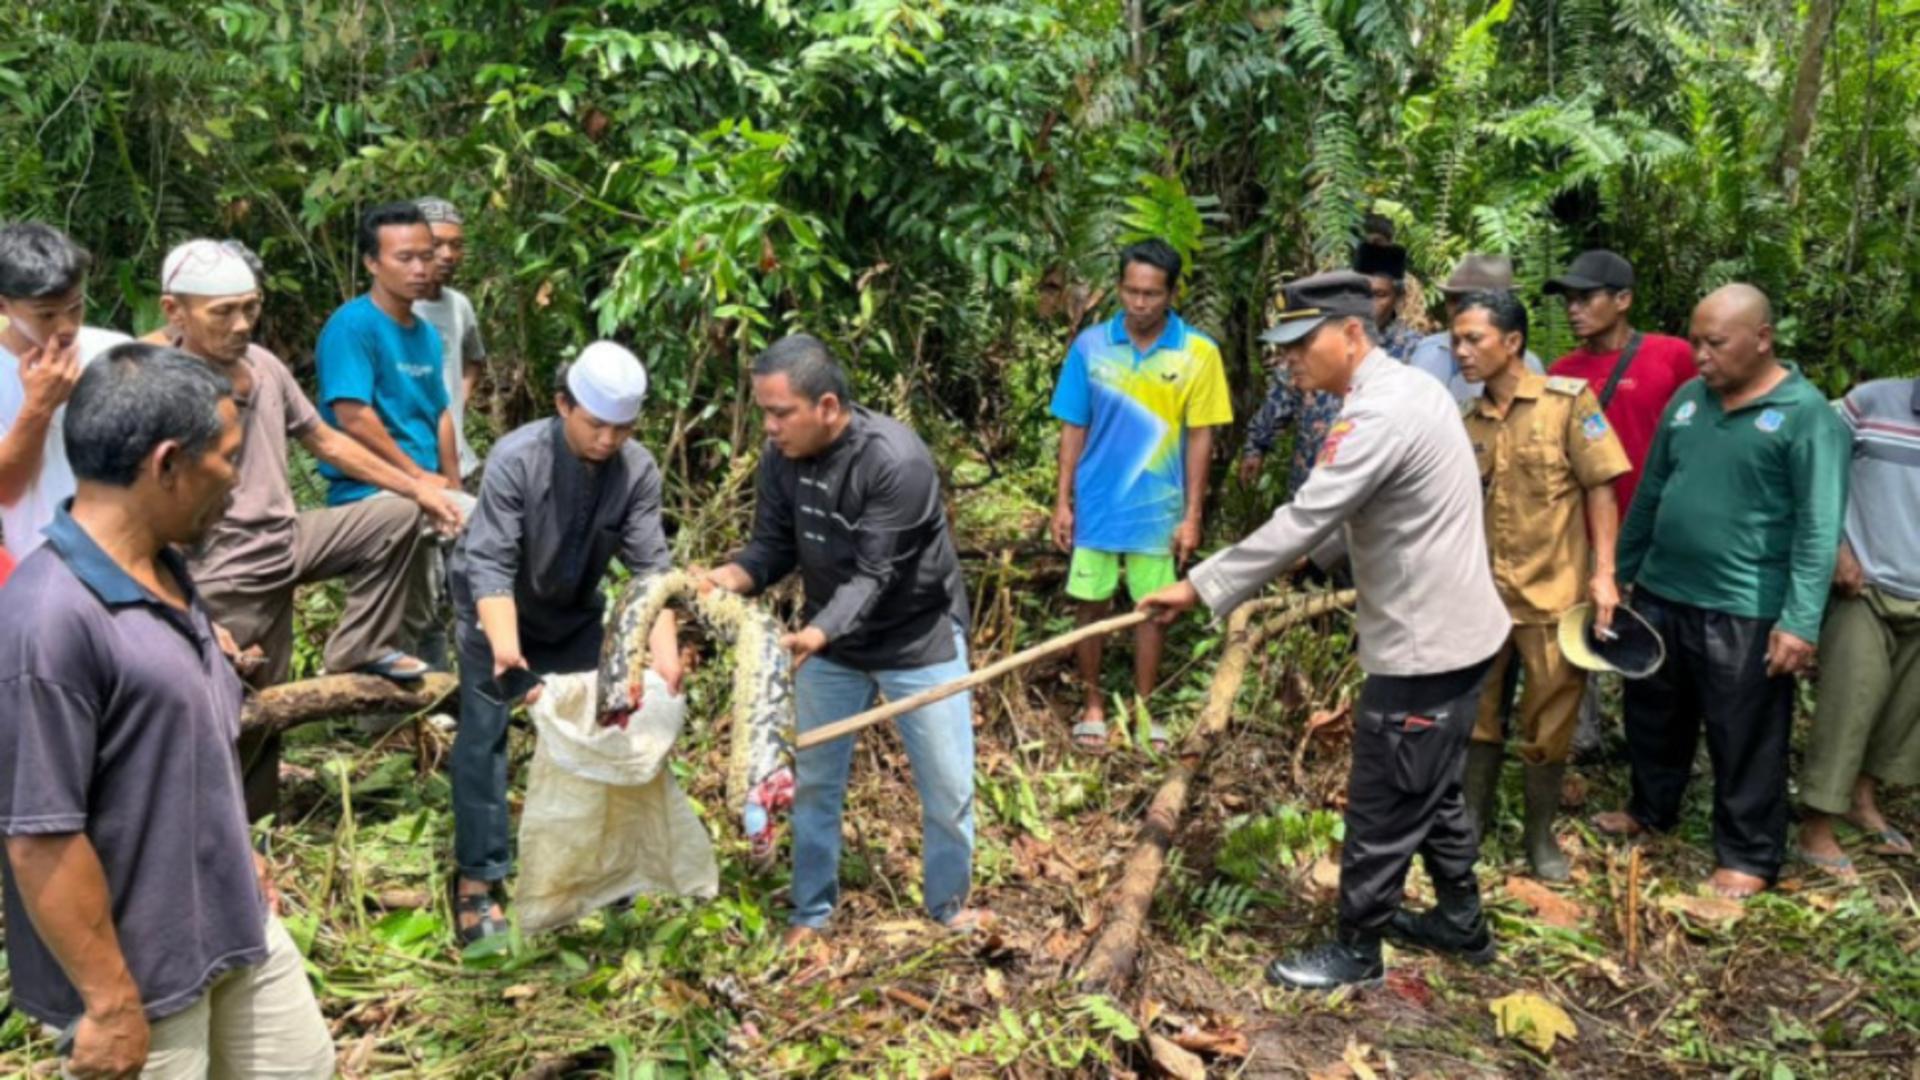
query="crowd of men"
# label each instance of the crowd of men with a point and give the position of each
(1508, 527)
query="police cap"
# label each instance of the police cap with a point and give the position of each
(1307, 303)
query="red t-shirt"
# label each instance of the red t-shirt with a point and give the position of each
(6, 565)
(1661, 366)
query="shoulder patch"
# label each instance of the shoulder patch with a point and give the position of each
(1330, 447)
(1595, 427)
(1566, 384)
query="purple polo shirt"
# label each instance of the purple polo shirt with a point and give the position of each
(118, 716)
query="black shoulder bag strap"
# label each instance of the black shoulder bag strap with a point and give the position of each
(1620, 367)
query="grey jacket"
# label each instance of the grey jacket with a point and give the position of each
(1397, 490)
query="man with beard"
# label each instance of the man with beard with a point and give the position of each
(1396, 489)
(140, 924)
(263, 548)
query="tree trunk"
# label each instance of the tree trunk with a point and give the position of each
(292, 704)
(1806, 95)
(1109, 961)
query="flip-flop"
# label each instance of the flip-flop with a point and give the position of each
(1158, 738)
(1838, 865)
(1090, 737)
(397, 666)
(1887, 843)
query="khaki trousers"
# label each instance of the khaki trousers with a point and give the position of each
(1867, 716)
(374, 545)
(253, 1022)
(1549, 708)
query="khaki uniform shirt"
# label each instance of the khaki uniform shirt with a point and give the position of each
(1537, 464)
(1395, 487)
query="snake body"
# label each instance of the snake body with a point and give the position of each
(761, 703)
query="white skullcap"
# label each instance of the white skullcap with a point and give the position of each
(206, 268)
(609, 382)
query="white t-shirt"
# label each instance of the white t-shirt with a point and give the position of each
(23, 520)
(460, 344)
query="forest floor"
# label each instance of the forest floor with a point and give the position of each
(1815, 979)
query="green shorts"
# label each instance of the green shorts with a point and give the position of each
(1094, 575)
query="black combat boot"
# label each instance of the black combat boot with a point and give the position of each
(1454, 925)
(1352, 959)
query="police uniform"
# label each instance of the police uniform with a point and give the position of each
(1537, 462)
(1396, 489)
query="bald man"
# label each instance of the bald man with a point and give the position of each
(1729, 547)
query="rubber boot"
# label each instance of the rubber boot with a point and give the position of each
(1352, 959)
(1454, 925)
(1549, 863)
(1481, 786)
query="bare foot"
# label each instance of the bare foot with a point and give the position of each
(972, 921)
(1734, 885)
(1618, 823)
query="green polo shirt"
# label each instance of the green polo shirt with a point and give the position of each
(1740, 512)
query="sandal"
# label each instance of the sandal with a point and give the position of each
(486, 924)
(1090, 737)
(397, 666)
(1887, 842)
(1837, 865)
(1158, 738)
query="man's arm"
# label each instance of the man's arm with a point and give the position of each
(47, 379)
(643, 550)
(1603, 524)
(64, 890)
(358, 419)
(1186, 538)
(771, 552)
(359, 463)
(1636, 535)
(491, 550)
(1818, 467)
(899, 502)
(449, 450)
(1073, 443)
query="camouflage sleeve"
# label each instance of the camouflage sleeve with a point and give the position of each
(1279, 407)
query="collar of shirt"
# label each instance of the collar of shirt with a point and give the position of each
(1781, 391)
(1529, 388)
(97, 570)
(1173, 336)
(1371, 365)
(856, 429)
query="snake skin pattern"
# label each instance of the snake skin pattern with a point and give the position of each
(762, 697)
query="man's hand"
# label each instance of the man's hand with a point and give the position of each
(1787, 654)
(1606, 599)
(110, 1043)
(1849, 577)
(49, 375)
(245, 661)
(431, 496)
(1186, 540)
(436, 481)
(1166, 605)
(268, 890)
(730, 577)
(504, 662)
(1250, 469)
(804, 644)
(1063, 526)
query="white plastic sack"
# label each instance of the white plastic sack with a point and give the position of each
(604, 819)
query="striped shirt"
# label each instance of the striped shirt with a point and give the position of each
(1883, 511)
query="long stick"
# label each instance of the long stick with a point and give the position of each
(1109, 959)
(986, 674)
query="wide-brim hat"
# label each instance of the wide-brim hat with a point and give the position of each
(1634, 648)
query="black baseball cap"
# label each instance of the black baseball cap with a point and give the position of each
(1593, 270)
(1307, 303)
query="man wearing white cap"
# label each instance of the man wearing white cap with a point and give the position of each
(560, 499)
(248, 566)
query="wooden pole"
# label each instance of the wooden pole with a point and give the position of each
(967, 682)
(1109, 960)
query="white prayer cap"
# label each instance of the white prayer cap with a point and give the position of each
(206, 268)
(609, 382)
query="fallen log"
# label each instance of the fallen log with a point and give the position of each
(891, 709)
(1108, 962)
(278, 708)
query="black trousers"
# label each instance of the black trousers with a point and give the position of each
(1716, 672)
(1403, 794)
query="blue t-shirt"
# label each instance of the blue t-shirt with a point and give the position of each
(1130, 488)
(365, 356)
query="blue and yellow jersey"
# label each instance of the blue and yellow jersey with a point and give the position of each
(1131, 485)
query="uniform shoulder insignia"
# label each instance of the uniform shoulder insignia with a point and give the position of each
(1566, 384)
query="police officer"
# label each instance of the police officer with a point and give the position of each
(1395, 488)
(1548, 460)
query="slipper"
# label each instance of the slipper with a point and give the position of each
(1158, 739)
(1090, 737)
(1838, 865)
(1887, 843)
(397, 666)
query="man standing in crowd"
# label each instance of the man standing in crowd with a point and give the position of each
(262, 548)
(1866, 725)
(1385, 265)
(1547, 461)
(1434, 354)
(1139, 398)
(463, 354)
(1396, 488)
(561, 498)
(1730, 548)
(43, 347)
(851, 499)
(139, 921)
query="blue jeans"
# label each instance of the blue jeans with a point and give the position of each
(939, 741)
